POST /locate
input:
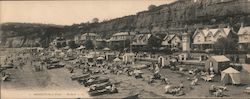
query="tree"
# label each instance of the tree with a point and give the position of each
(72, 44)
(121, 45)
(89, 44)
(95, 20)
(225, 44)
(154, 42)
(151, 7)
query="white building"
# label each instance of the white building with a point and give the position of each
(172, 41)
(81, 38)
(244, 38)
(206, 38)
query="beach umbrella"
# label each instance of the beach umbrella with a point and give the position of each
(89, 56)
(70, 50)
(117, 60)
(106, 49)
(57, 51)
(100, 58)
(81, 47)
(138, 72)
(67, 47)
(62, 54)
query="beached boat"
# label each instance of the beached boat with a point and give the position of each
(52, 66)
(97, 81)
(99, 86)
(77, 77)
(84, 80)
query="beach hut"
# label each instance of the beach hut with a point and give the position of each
(110, 56)
(247, 60)
(129, 58)
(217, 63)
(162, 61)
(89, 58)
(99, 60)
(230, 76)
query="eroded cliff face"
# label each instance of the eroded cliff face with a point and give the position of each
(168, 18)
(190, 13)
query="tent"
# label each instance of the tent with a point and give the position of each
(230, 75)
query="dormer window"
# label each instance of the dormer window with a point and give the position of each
(220, 36)
(246, 38)
(198, 38)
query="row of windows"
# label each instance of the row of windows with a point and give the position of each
(209, 38)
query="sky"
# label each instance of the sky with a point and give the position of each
(71, 12)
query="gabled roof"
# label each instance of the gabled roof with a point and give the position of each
(244, 30)
(169, 37)
(90, 34)
(230, 70)
(220, 58)
(142, 36)
(139, 39)
(206, 32)
(123, 33)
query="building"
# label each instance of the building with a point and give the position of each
(81, 38)
(58, 42)
(118, 40)
(186, 42)
(141, 40)
(121, 36)
(244, 38)
(77, 39)
(129, 58)
(205, 38)
(172, 41)
(217, 63)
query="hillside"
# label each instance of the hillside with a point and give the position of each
(168, 18)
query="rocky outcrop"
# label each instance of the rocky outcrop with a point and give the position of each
(179, 16)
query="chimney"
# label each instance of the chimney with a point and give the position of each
(242, 24)
(207, 28)
(228, 26)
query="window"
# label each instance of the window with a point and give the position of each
(220, 36)
(210, 64)
(245, 38)
(209, 38)
(198, 38)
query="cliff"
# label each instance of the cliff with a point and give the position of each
(179, 16)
